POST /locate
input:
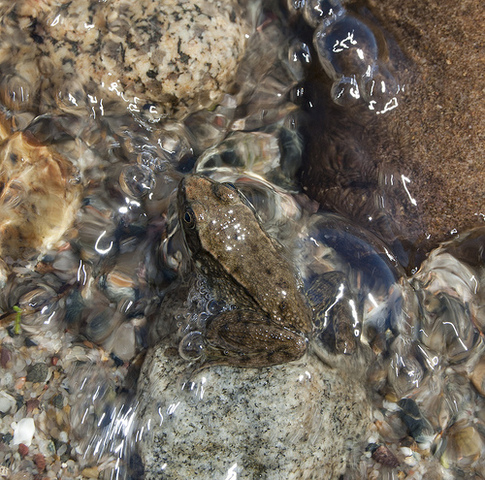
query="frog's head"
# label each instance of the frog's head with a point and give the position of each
(204, 207)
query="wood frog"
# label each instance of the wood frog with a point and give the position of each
(269, 318)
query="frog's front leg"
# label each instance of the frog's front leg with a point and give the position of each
(242, 338)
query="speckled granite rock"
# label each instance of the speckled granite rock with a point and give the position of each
(422, 164)
(164, 56)
(294, 421)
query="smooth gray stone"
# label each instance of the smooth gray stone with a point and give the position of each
(294, 421)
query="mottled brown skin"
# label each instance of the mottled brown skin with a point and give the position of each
(247, 269)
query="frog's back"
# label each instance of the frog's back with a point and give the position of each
(231, 238)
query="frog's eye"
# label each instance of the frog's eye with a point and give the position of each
(189, 217)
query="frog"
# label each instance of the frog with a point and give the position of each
(269, 320)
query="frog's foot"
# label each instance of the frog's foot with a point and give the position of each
(340, 334)
(240, 338)
(335, 320)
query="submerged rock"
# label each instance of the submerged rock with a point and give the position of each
(144, 56)
(40, 192)
(291, 421)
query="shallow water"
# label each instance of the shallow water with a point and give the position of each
(88, 305)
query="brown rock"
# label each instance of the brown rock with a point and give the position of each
(383, 455)
(40, 462)
(23, 449)
(32, 404)
(6, 357)
(434, 138)
(477, 377)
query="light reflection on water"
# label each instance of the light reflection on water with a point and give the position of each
(124, 252)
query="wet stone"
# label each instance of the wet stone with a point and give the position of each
(40, 462)
(416, 424)
(464, 445)
(477, 377)
(143, 55)
(37, 373)
(23, 450)
(30, 343)
(322, 11)
(293, 419)
(6, 357)
(7, 438)
(382, 454)
(58, 401)
(32, 404)
(7, 402)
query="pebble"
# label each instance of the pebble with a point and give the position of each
(24, 432)
(19, 384)
(40, 462)
(58, 401)
(383, 455)
(464, 444)
(91, 472)
(175, 55)
(7, 402)
(37, 373)
(6, 357)
(32, 405)
(124, 347)
(23, 449)
(477, 377)
(21, 476)
(417, 425)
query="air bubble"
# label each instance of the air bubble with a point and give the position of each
(137, 180)
(191, 346)
(347, 47)
(295, 5)
(345, 92)
(298, 55)
(19, 88)
(316, 12)
(380, 91)
(214, 307)
(174, 144)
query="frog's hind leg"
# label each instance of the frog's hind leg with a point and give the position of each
(242, 338)
(336, 324)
